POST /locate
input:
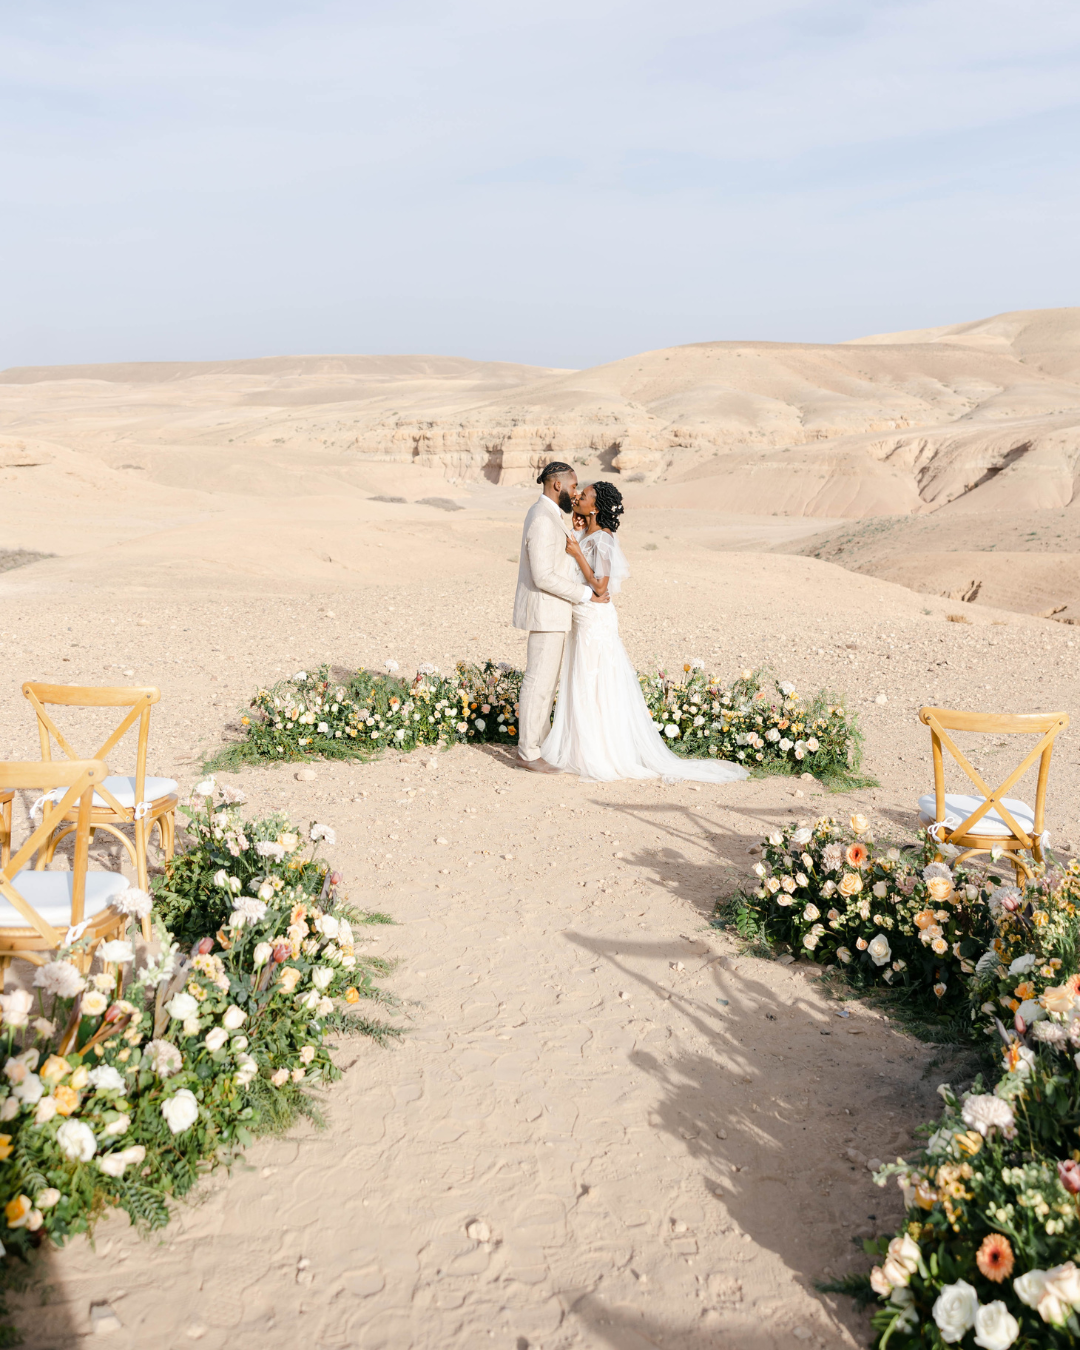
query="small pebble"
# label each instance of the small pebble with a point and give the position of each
(478, 1231)
(305, 775)
(102, 1317)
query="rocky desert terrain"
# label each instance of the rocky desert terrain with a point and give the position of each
(605, 1126)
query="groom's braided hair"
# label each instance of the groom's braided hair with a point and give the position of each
(553, 470)
(609, 505)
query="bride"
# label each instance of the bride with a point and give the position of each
(602, 728)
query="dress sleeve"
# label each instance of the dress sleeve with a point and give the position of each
(607, 560)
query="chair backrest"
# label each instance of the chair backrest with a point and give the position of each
(1046, 725)
(80, 778)
(138, 700)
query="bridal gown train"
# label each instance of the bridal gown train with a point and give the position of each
(602, 729)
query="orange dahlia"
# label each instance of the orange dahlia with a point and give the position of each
(995, 1257)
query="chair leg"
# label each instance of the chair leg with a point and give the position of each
(5, 961)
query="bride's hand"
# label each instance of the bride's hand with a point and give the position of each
(573, 548)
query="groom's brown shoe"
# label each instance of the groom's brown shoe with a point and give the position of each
(537, 765)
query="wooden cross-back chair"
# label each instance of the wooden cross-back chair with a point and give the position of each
(6, 799)
(39, 909)
(136, 800)
(987, 819)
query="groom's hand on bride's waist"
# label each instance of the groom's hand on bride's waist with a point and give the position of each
(602, 599)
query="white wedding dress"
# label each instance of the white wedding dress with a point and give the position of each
(602, 728)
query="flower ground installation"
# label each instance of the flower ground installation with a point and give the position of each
(125, 1085)
(766, 725)
(990, 1253)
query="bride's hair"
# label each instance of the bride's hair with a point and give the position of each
(609, 505)
(553, 470)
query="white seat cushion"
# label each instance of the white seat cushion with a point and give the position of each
(958, 807)
(50, 895)
(123, 789)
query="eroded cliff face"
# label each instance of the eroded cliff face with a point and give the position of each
(902, 423)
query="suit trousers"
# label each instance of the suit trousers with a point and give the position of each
(542, 667)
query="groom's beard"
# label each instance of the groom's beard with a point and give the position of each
(565, 504)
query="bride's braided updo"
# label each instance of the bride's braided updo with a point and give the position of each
(609, 505)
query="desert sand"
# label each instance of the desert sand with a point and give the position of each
(605, 1126)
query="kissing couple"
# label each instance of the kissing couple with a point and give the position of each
(602, 729)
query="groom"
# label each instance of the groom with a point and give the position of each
(549, 583)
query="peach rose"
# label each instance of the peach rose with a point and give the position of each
(850, 884)
(940, 888)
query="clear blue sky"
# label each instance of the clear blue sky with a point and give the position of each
(562, 182)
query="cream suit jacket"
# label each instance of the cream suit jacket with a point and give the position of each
(549, 581)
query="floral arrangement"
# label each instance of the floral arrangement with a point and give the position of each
(745, 721)
(988, 1254)
(123, 1087)
(886, 915)
(312, 714)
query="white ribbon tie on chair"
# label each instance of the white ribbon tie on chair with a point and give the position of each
(143, 810)
(39, 805)
(74, 934)
(950, 823)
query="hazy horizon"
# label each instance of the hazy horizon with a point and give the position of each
(558, 189)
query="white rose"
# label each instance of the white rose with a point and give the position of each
(1023, 964)
(246, 1070)
(881, 889)
(1031, 1010)
(117, 952)
(206, 788)
(811, 912)
(215, 1039)
(76, 1141)
(93, 1004)
(1029, 1287)
(181, 1111)
(106, 1079)
(325, 1007)
(118, 1126)
(896, 1273)
(114, 1164)
(234, 1017)
(906, 1251)
(182, 1006)
(843, 954)
(29, 1091)
(266, 891)
(954, 1310)
(327, 925)
(1063, 1286)
(262, 953)
(671, 731)
(321, 976)
(803, 835)
(995, 1327)
(879, 950)
(758, 870)
(46, 1110)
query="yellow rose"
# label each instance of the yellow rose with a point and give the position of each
(940, 888)
(850, 884)
(1058, 998)
(859, 824)
(17, 1211)
(5, 1146)
(66, 1099)
(80, 1077)
(54, 1068)
(289, 978)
